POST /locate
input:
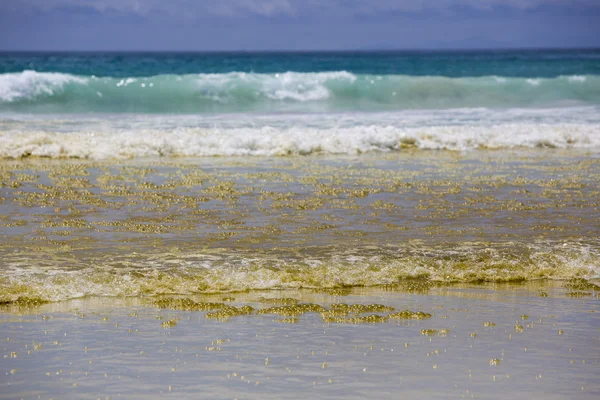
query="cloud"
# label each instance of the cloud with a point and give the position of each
(288, 8)
(224, 8)
(296, 24)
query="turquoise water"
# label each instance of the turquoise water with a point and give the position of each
(115, 105)
(295, 82)
(524, 64)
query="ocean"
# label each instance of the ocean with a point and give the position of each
(107, 106)
(264, 225)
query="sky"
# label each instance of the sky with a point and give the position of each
(262, 25)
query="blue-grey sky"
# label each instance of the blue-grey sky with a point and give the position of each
(203, 25)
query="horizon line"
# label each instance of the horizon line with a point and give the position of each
(299, 51)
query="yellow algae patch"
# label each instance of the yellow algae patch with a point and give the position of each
(578, 294)
(579, 284)
(438, 332)
(360, 308)
(24, 302)
(187, 305)
(414, 285)
(226, 312)
(407, 314)
(290, 320)
(246, 310)
(314, 227)
(292, 311)
(367, 319)
(333, 314)
(170, 323)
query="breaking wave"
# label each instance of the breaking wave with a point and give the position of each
(48, 92)
(139, 275)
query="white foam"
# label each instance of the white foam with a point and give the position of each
(277, 141)
(145, 274)
(296, 86)
(106, 136)
(30, 84)
(317, 93)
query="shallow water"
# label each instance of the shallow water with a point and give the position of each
(133, 279)
(482, 341)
(147, 227)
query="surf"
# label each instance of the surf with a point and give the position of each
(290, 92)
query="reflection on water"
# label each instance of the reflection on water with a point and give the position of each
(490, 340)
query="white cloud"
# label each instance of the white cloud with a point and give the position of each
(173, 7)
(272, 8)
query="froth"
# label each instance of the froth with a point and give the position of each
(30, 84)
(292, 140)
(147, 278)
(293, 86)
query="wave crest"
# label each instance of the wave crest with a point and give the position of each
(32, 91)
(145, 278)
(30, 85)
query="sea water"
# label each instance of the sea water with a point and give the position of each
(264, 225)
